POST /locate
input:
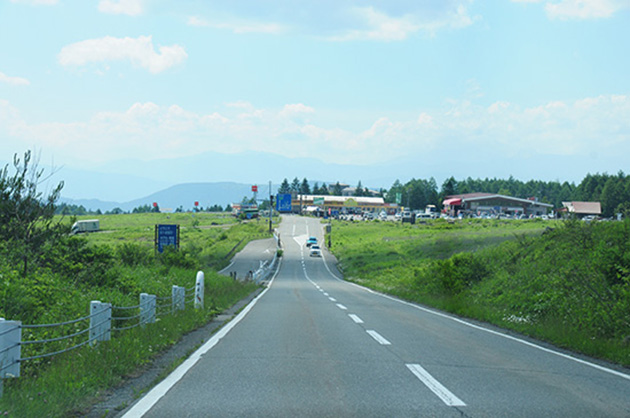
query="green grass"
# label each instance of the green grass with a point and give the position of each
(114, 266)
(72, 381)
(567, 283)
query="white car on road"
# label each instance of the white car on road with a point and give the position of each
(316, 251)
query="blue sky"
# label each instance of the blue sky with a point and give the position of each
(89, 82)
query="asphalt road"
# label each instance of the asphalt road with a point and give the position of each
(314, 345)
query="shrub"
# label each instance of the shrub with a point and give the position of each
(131, 254)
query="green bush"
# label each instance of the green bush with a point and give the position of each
(459, 272)
(132, 254)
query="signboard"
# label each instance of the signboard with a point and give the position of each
(255, 188)
(166, 235)
(283, 202)
(196, 204)
(399, 198)
(319, 201)
(350, 203)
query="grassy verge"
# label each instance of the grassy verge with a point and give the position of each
(114, 266)
(566, 283)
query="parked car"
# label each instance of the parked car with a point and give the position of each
(316, 251)
(311, 241)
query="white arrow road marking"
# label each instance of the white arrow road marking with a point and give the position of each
(378, 337)
(436, 387)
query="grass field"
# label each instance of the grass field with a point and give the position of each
(564, 282)
(113, 265)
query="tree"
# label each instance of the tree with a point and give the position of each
(295, 185)
(316, 189)
(304, 187)
(323, 190)
(284, 187)
(26, 215)
(358, 192)
(336, 191)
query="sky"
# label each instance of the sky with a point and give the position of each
(461, 83)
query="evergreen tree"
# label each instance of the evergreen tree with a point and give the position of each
(295, 185)
(284, 187)
(337, 190)
(27, 221)
(305, 188)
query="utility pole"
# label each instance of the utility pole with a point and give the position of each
(270, 208)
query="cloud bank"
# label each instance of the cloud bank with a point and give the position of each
(139, 51)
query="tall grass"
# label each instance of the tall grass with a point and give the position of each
(113, 266)
(564, 282)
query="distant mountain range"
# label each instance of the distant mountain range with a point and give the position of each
(182, 195)
(216, 178)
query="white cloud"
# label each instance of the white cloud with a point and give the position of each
(460, 130)
(124, 7)
(16, 81)
(139, 51)
(295, 109)
(380, 27)
(580, 9)
(37, 2)
(239, 27)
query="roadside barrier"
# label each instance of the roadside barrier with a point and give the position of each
(104, 318)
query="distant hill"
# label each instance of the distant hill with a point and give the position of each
(184, 195)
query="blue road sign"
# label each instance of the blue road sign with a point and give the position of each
(283, 202)
(167, 235)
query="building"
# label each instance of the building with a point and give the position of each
(341, 204)
(582, 209)
(493, 204)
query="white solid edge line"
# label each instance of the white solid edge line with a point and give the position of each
(378, 337)
(480, 328)
(436, 387)
(230, 265)
(154, 395)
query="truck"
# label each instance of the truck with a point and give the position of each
(91, 225)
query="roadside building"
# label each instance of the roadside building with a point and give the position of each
(341, 204)
(582, 209)
(249, 211)
(480, 204)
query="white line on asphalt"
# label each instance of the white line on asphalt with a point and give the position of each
(225, 269)
(326, 294)
(378, 337)
(332, 299)
(342, 307)
(477, 327)
(150, 399)
(436, 387)
(355, 318)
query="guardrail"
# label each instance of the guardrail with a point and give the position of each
(104, 318)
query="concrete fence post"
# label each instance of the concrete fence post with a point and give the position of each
(178, 295)
(199, 290)
(10, 350)
(100, 321)
(147, 308)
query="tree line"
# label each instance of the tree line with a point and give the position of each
(612, 191)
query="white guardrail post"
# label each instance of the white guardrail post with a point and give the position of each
(178, 295)
(199, 290)
(100, 321)
(147, 308)
(10, 349)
